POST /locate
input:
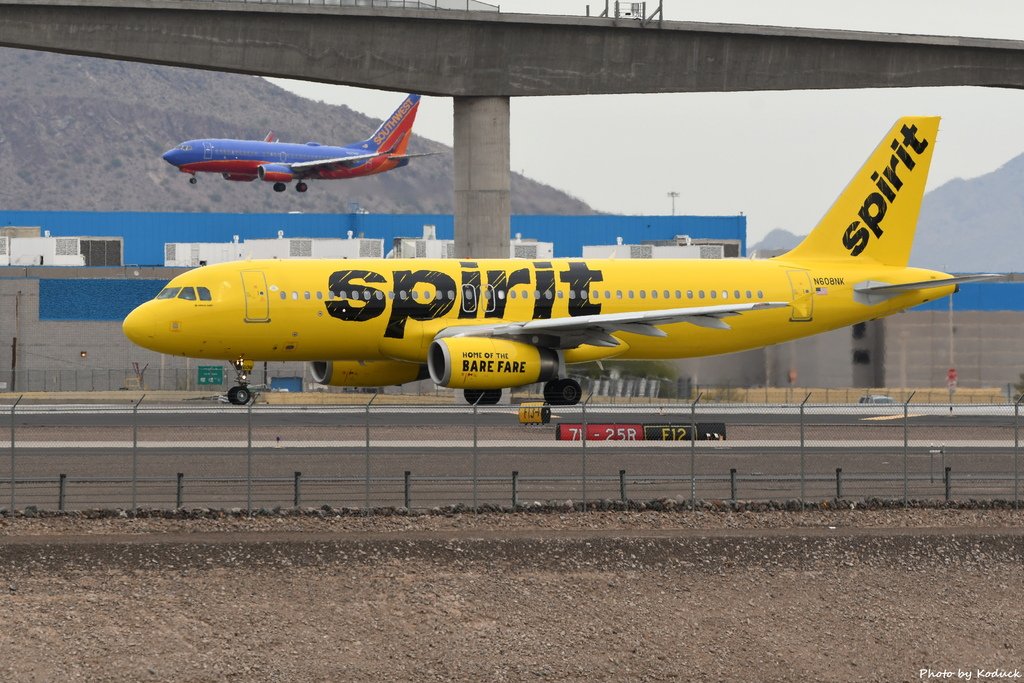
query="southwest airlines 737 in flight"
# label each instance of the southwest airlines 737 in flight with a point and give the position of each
(281, 162)
(486, 325)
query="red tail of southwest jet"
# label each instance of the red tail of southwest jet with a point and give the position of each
(281, 162)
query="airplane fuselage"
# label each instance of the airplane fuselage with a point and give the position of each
(308, 310)
(241, 159)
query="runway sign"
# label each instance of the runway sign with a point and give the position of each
(706, 431)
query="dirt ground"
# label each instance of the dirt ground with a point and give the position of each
(890, 595)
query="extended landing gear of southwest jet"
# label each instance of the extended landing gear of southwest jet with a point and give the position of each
(193, 181)
(280, 187)
(301, 187)
(241, 394)
(562, 392)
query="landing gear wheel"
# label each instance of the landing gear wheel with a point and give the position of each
(482, 397)
(193, 181)
(239, 396)
(280, 187)
(301, 187)
(562, 392)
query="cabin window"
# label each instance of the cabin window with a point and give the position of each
(187, 293)
(689, 294)
(501, 293)
(295, 296)
(355, 294)
(403, 295)
(366, 295)
(667, 295)
(643, 294)
(596, 294)
(378, 295)
(618, 293)
(714, 294)
(631, 294)
(572, 294)
(560, 294)
(284, 295)
(679, 295)
(307, 296)
(760, 294)
(700, 294)
(415, 295)
(547, 294)
(749, 295)
(654, 294)
(204, 294)
(725, 293)
(736, 294)
(319, 296)
(169, 293)
(584, 294)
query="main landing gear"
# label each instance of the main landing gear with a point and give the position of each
(562, 392)
(280, 187)
(241, 394)
(193, 181)
(301, 187)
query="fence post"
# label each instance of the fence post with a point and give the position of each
(949, 484)
(366, 505)
(802, 470)
(135, 451)
(297, 497)
(584, 456)
(179, 490)
(515, 490)
(476, 417)
(15, 405)
(622, 485)
(61, 489)
(1016, 452)
(408, 492)
(693, 451)
(906, 427)
(248, 462)
(839, 483)
(732, 484)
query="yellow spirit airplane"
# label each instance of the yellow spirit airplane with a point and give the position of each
(486, 325)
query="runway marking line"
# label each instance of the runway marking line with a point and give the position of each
(890, 417)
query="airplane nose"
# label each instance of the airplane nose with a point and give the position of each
(172, 156)
(138, 327)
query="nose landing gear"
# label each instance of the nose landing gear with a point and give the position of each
(193, 181)
(241, 394)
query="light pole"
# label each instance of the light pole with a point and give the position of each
(673, 195)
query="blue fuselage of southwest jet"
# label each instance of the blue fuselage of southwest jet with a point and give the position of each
(242, 159)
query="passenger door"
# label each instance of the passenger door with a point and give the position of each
(803, 296)
(257, 303)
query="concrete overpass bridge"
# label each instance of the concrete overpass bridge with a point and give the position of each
(481, 59)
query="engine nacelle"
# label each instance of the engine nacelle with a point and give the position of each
(373, 373)
(275, 173)
(484, 363)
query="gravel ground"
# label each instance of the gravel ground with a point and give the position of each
(853, 595)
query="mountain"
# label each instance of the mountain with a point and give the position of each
(966, 226)
(972, 225)
(86, 134)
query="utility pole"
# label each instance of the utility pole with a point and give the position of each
(673, 196)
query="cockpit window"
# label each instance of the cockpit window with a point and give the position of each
(169, 293)
(204, 294)
(187, 293)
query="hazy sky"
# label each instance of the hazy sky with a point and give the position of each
(774, 142)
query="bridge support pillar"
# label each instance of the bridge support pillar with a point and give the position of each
(483, 203)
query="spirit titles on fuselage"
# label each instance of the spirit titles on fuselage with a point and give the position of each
(360, 298)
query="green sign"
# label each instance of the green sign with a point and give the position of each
(210, 374)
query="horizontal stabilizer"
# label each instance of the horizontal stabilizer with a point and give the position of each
(871, 292)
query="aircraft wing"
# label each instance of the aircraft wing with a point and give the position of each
(596, 330)
(346, 162)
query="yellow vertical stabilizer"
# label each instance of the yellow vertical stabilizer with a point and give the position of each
(876, 215)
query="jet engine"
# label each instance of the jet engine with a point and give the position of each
(484, 363)
(373, 373)
(275, 173)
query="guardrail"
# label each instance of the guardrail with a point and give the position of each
(172, 455)
(465, 5)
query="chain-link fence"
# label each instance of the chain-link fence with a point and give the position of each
(372, 455)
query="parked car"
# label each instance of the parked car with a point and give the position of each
(876, 398)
